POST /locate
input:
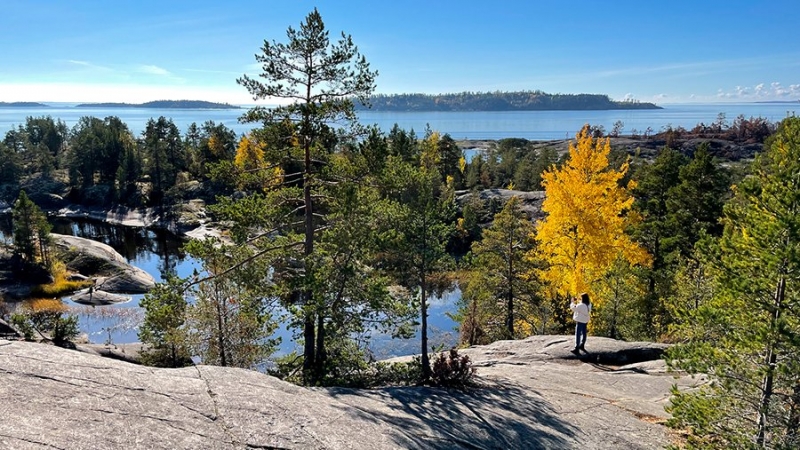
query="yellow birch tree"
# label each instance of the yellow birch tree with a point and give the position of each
(583, 233)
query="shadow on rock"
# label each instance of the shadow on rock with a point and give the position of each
(493, 416)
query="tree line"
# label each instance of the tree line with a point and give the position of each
(101, 162)
(499, 101)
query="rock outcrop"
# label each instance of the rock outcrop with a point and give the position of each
(531, 201)
(533, 394)
(111, 271)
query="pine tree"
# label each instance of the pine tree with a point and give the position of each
(417, 253)
(745, 338)
(162, 331)
(31, 231)
(321, 80)
(498, 288)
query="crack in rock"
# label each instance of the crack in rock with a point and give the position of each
(218, 415)
(31, 441)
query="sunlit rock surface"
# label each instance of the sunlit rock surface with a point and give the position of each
(533, 394)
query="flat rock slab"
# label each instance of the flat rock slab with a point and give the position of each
(529, 397)
(98, 297)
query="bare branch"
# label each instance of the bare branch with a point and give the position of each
(243, 262)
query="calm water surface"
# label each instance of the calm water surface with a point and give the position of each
(533, 125)
(159, 253)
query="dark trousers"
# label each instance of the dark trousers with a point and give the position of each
(580, 334)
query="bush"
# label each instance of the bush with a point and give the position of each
(46, 317)
(398, 373)
(23, 325)
(60, 285)
(452, 370)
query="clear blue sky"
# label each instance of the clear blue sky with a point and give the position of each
(666, 52)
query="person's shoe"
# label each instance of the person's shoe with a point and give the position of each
(575, 351)
(582, 349)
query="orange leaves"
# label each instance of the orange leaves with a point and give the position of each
(45, 305)
(584, 231)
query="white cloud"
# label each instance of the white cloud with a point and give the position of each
(87, 64)
(154, 70)
(762, 92)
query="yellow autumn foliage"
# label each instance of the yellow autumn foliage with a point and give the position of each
(584, 229)
(429, 156)
(249, 154)
(45, 305)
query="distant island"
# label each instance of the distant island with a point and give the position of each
(500, 101)
(22, 105)
(163, 104)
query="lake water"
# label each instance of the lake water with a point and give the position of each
(159, 253)
(533, 125)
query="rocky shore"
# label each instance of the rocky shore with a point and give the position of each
(531, 393)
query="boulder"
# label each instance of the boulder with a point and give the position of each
(7, 331)
(112, 272)
(530, 393)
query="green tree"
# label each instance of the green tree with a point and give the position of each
(162, 331)
(31, 231)
(320, 79)
(46, 132)
(659, 233)
(499, 275)
(164, 155)
(230, 322)
(96, 149)
(745, 338)
(696, 202)
(417, 255)
(10, 166)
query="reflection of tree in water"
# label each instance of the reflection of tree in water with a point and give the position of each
(5, 228)
(134, 244)
(169, 249)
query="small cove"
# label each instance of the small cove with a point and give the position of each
(160, 253)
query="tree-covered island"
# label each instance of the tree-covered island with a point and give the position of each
(500, 101)
(163, 104)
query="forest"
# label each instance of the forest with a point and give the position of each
(342, 232)
(174, 104)
(498, 101)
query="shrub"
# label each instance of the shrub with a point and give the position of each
(452, 370)
(46, 317)
(60, 285)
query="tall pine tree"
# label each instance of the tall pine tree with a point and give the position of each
(746, 338)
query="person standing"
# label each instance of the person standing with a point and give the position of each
(581, 310)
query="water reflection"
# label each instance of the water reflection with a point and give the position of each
(160, 253)
(156, 251)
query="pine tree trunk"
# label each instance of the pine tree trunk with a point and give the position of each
(426, 364)
(510, 293)
(770, 360)
(309, 351)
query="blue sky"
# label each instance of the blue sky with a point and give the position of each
(665, 52)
